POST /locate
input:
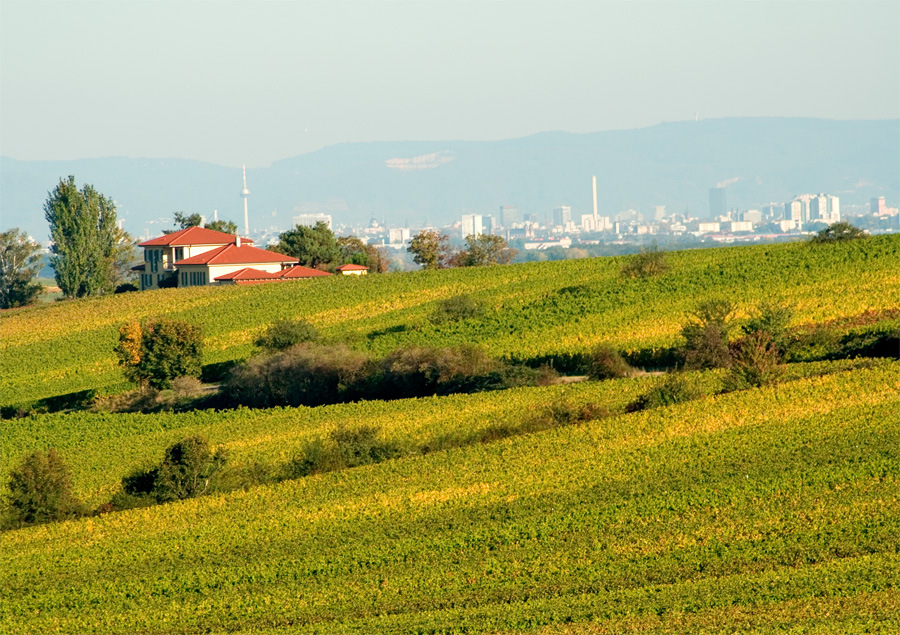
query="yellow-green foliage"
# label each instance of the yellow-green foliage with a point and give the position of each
(769, 509)
(532, 309)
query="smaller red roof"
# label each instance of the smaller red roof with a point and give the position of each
(292, 273)
(350, 267)
(234, 255)
(193, 236)
(249, 273)
(299, 271)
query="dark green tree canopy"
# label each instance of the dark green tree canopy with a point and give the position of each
(312, 246)
(226, 226)
(157, 351)
(354, 251)
(482, 250)
(838, 232)
(430, 249)
(187, 220)
(20, 262)
(40, 491)
(88, 246)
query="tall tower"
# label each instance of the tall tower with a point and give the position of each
(594, 186)
(245, 193)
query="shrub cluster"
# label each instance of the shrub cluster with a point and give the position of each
(283, 334)
(155, 352)
(39, 491)
(186, 471)
(607, 363)
(646, 264)
(313, 374)
(459, 307)
(675, 389)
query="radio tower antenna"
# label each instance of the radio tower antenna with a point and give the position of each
(245, 193)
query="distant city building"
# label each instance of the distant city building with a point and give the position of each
(752, 216)
(709, 228)
(591, 223)
(398, 236)
(717, 202)
(488, 224)
(310, 220)
(562, 215)
(825, 208)
(471, 225)
(741, 226)
(659, 212)
(530, 218)
(877, 206)
(788, 224)
(509, 215)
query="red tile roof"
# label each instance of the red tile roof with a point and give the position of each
(296, 272)
(234, 255)
(193, 236)
(248, 273)
(299, 271)
(351, 267)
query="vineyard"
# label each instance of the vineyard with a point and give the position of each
(755, 511)
(768, 509)
(534, 310)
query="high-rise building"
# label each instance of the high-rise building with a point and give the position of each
(717, 203)
(244, 194)
(471, 225)
(877, 206)
(310, 220)
(825, 208)
(488, 224)
(562, 215)
(509, 215)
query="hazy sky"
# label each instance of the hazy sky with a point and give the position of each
(255, 81)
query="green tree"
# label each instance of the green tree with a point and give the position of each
(312, 246)
(87, 244)
(20, 262)
(157, 351)
(838, 232)
(354, 251)
(187, 220)
(225, 226)
(482, 250)
(40, 490)
(186, 471)
(647, 263)
(430, 249)
(283, 334)
(706, 335)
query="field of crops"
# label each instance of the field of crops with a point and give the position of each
(534, 309)
(774, 509)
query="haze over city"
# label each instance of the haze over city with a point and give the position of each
(255, 82)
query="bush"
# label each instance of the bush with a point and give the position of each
(838, 232)
(307, 374)
(706, 335)
(344, 448)
(186, 471)
(460, 307)
(419, 371)
(283, 334)
(772, 319)
(647, 263)
(155, 352)
(40, 491)
(674, 390)
(755, 362)
(607, 363)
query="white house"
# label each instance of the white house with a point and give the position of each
(197, 256)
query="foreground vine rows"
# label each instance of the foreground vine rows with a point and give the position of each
(766, 507)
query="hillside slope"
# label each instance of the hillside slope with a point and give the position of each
(534, 309)
(758, 511)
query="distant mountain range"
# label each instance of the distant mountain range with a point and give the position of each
(760, 160)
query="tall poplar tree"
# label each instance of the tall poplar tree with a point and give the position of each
(87, 242)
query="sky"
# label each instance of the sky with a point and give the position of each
(256, 81)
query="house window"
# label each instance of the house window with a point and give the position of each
(179, 253)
